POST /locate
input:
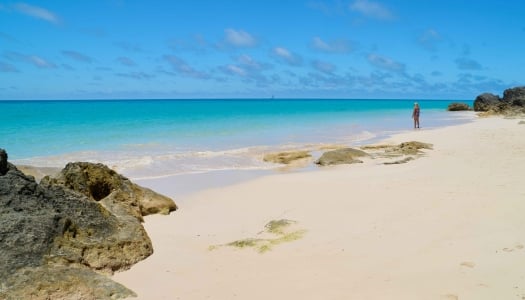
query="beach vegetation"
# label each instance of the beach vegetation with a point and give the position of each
(279, 229)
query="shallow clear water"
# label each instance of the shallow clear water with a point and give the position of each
(144, 138)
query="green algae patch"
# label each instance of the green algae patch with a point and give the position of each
(278, 226)
(280, 229)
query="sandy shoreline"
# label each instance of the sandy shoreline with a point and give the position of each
(446, 226)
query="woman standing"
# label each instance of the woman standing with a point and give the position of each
(415, 115)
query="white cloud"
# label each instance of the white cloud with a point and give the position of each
(286, 56)
(372, 9)
(40, 62)
(464, 63)
(239, 38)
(181, 67)
(232, 69)
(429, 39)
(324, 67)
(385, 63)
(35, 60)
(77, 56)
(37, 12)
(336, 46)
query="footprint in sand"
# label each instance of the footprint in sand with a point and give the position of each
(516, 247)
(468, 264)
(450, 297)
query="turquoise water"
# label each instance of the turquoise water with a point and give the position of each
(144, 138)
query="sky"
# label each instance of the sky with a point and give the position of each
(389, 49)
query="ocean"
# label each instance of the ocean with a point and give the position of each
(156, 138)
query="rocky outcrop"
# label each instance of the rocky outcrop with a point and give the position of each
(485, 102)
(100, 183)
(457, 106)
(3, 162)
(341, 156)
(57, 243)
(512, 103)
(410, 148)
(515, 96)
(286, 157)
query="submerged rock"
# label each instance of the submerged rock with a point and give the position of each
(456, 106)
(55, 235)
(286, 157)
(341, 156)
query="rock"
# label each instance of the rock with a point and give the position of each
(51, 236)
(100, 183)
(456, 106)
(59, 282)
(512, 104)
(521, 122)
(411, 148)
(486, 102)
(286, 157)
(3, 162)
(515, 96)
(341, 156)
(398, 162)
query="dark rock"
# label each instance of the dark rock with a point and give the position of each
(3, 162)
(515, 96)
(341, 156)
(486, 102)
(47, 226)
(456, 106)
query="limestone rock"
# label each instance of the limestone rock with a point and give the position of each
(456, 106)
(47, 226)
(512, 103)
(411, 148)
(286, 157)
(515, 96)
(114, 191)
(341, 156)
(59, 282)
(485, 102)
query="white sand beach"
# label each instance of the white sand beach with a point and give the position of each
(449, 225)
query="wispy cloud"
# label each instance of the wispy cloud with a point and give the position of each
(372, 9)
(286, 56)
(337, 7)
(465, 63)
(7, 68)
(385, 63)
(35, 60)
(323, 66)
(132, 47)
(249, 70)
(429, 39)
(239, 38)
(126, 61)
(136, 75)
(37, 12)
(77, 56)
(196, 43)
(335, 46)
(182, 68)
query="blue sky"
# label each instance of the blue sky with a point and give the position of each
(114, 49)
